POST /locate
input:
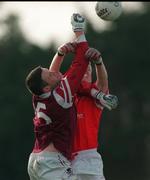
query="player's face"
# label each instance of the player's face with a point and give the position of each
(88, 75)
(51, 78)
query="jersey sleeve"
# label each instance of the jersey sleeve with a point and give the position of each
(70, 83)
(78, 68)
(84, 89)
(63, 95)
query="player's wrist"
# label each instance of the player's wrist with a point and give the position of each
(99, 62)
(81, 38)
(99, 95)
(78, 33)
(59, 53)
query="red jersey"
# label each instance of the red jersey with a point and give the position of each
(88, 120)
(55, 114)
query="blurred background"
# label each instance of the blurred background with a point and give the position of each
(30, 33)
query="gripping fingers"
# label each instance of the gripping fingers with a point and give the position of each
(68, 47)
(111, 100)
(115, 102)
(92, 54)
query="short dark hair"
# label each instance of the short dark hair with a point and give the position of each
(34, 82)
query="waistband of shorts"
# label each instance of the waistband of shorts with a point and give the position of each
(46, 153)
(88, 151)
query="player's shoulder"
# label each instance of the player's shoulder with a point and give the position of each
(62, 94)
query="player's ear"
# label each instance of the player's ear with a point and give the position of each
(46, 89)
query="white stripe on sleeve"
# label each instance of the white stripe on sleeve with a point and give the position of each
(66, 100)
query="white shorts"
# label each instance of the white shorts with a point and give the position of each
(88, 165)
(49, 166)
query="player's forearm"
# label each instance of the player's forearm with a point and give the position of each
(80, 36)
(102, 78)
(78, 67)
(56, 63)
(79, 33)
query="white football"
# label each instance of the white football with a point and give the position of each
(108, 11)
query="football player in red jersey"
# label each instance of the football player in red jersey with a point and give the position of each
(90, 100)
(55, 113)
(87, 163)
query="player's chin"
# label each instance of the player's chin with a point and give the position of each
(55, 84)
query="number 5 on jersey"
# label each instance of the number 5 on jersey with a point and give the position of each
(42, 115)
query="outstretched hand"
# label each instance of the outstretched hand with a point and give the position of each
(93, 55)
(67, 47)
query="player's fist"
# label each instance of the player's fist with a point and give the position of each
(93, 55)
(77, 22)
(66, 48)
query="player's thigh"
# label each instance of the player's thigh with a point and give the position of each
(30, 168)
(54, 168)
(32, 177)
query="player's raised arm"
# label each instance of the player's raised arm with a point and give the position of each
(79, 64)
(107, 100)
(102, 77)
(60, 54)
